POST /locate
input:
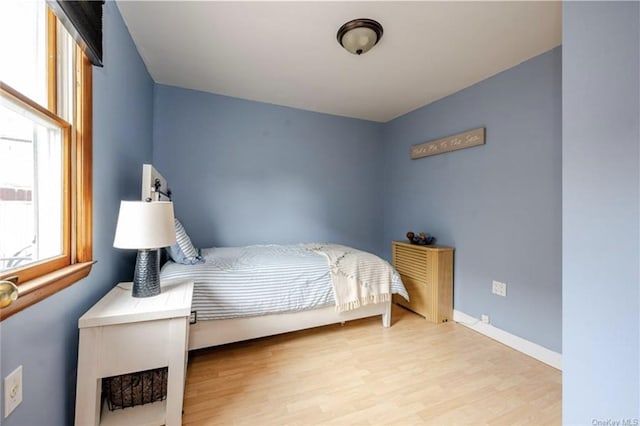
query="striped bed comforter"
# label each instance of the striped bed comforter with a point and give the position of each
(258, 280)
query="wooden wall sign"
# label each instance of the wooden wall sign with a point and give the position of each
(462, 140)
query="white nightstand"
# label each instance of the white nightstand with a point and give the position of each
(121, 334)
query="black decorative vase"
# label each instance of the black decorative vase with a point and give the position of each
(146, 278)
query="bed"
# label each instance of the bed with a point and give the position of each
(243, 293)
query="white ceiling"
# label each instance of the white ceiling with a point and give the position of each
(286, 53)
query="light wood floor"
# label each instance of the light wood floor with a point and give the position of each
(361, 373)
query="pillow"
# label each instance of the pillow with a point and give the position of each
(183, 250)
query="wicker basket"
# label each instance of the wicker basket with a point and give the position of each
(129, 390)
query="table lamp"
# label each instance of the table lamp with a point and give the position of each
(145, 226)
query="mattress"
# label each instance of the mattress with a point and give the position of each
(236, 282)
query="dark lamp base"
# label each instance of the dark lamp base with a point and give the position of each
(146, 278)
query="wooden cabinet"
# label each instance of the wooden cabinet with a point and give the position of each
(121, 334)
(427, 274)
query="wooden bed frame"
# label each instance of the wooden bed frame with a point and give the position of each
(204, 334)
(154, 186)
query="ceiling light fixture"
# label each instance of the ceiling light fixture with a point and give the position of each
(360, 35)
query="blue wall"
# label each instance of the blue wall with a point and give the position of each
(44, 338)
(245, 172)
(499, 204)
(601, 215)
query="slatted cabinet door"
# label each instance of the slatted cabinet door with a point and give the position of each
(427, 273)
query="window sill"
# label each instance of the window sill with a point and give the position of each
(37, 289)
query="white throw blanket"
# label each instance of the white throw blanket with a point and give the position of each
(358, 278)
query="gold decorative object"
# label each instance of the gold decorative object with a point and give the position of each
(8, 293)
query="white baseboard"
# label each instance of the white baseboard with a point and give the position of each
(549, 357)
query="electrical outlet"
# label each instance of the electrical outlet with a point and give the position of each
(502, 289)
(485, 319)
(12, 391)
(499, 288)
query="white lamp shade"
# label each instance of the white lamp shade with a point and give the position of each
(145, 225)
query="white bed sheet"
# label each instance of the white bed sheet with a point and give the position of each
(236, 282)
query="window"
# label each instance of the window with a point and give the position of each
(33, 206)
(45, 154)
